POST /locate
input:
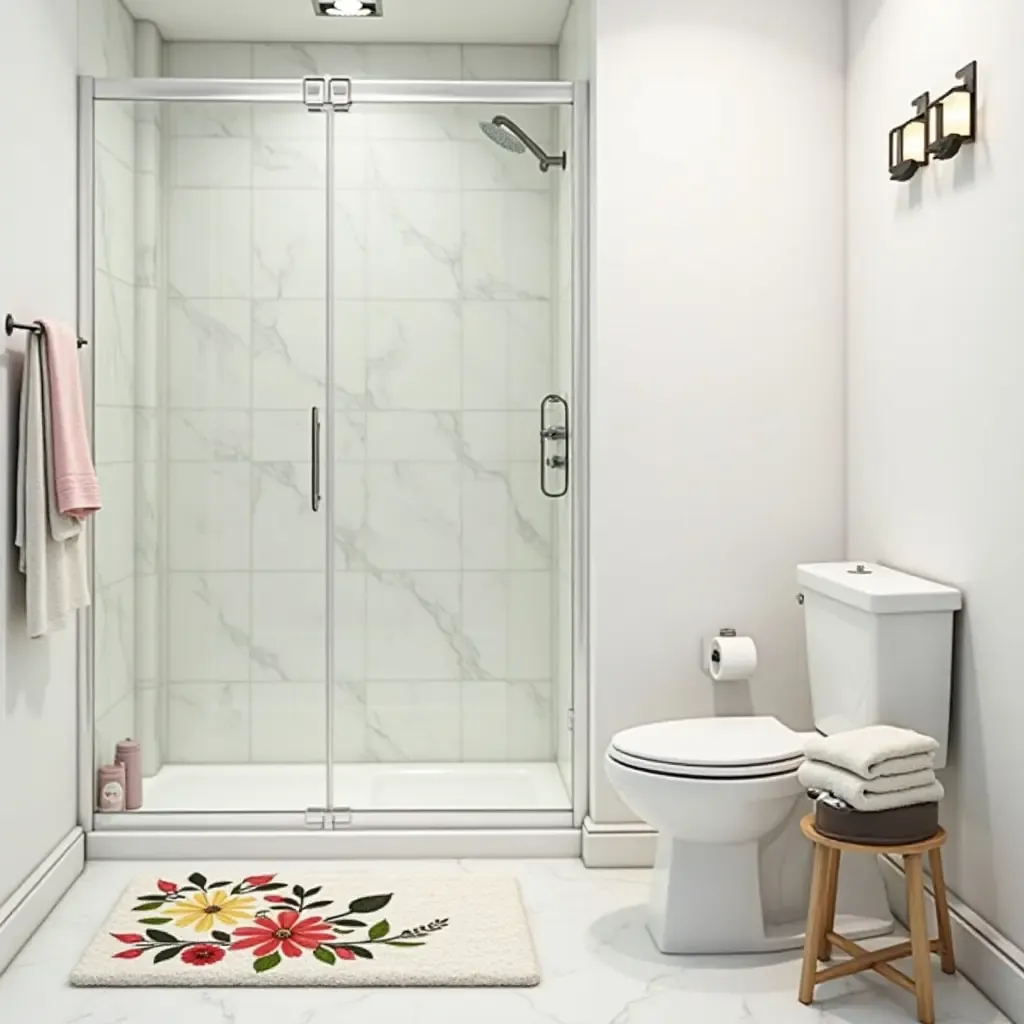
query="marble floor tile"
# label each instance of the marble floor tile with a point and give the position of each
(597, 963)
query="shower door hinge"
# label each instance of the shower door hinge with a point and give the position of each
(325, 819)
(571, 720)
(320, 93)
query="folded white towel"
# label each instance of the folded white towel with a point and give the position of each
(874, 751)
(870, 794)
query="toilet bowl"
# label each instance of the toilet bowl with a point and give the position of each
(719, 792)
(713, 788)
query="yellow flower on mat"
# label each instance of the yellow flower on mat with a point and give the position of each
(203, 910)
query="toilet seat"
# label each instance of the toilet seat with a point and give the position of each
(753, 747)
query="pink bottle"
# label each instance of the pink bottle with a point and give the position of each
(129, 754)
(110, 788)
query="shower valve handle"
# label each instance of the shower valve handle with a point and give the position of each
(556, 434)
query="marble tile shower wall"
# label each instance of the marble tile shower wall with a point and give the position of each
(444, 350)
(107, 48)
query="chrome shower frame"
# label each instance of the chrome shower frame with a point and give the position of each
(485, 833)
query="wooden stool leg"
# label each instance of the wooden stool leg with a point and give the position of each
(942, 912)
(815, 923)
(920, 945)
(832, 887)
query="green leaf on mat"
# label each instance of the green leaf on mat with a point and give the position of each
(396, 942)
(317, 904)
(221, 936)
(148, 906)
(167, 954)
(154, 920)
(346, 922)
(324, 955)
(265, 963)
(219, 885)
(370, 904)
(198, 879)
(379, 930)
(158, 936)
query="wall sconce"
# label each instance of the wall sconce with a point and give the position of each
(908, 144)
(952, 118)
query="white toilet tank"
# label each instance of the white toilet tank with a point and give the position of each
(879, 648)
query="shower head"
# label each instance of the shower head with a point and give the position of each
(502, 137)
(503, 131)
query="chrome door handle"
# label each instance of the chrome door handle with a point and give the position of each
(555, 434)
(315, 457)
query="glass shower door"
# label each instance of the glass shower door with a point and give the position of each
(448, 630)
(209, 378)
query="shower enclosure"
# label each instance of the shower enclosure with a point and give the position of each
(338, 382)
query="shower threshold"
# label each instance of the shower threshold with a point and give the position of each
(246, 788)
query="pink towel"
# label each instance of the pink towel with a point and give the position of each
(78, 490)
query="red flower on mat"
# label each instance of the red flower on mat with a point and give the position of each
(288, 933)
(166, 886)
(127, 937)
(274, 899)
(128, 954)
(200, 956)
(345, 954)
(258, 879)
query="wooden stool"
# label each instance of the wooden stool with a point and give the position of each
(821, 916)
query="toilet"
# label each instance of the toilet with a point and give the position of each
(879, 650)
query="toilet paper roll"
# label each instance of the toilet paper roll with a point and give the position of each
(732, 657)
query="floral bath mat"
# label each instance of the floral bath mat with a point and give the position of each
(275, 929)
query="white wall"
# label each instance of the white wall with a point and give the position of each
(717, 420)
(37, 277)
(936, 360)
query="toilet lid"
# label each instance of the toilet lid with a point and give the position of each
(712, 747)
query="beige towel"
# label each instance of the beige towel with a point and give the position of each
(56, 580)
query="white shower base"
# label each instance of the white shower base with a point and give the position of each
(370, 787)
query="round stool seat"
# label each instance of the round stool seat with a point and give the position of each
(923, 846)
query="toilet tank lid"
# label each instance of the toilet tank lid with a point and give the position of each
(877, 588)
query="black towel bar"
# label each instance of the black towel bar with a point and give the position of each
(11, 325)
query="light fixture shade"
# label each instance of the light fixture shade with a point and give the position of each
(909, 142)
(952, 118)
(348, 8)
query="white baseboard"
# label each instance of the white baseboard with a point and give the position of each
(439, 844)
(30, 904)
(984, 956)
(623, 845)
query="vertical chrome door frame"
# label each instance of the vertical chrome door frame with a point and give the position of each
(85, 620)
(579, 468)
(329, 421)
